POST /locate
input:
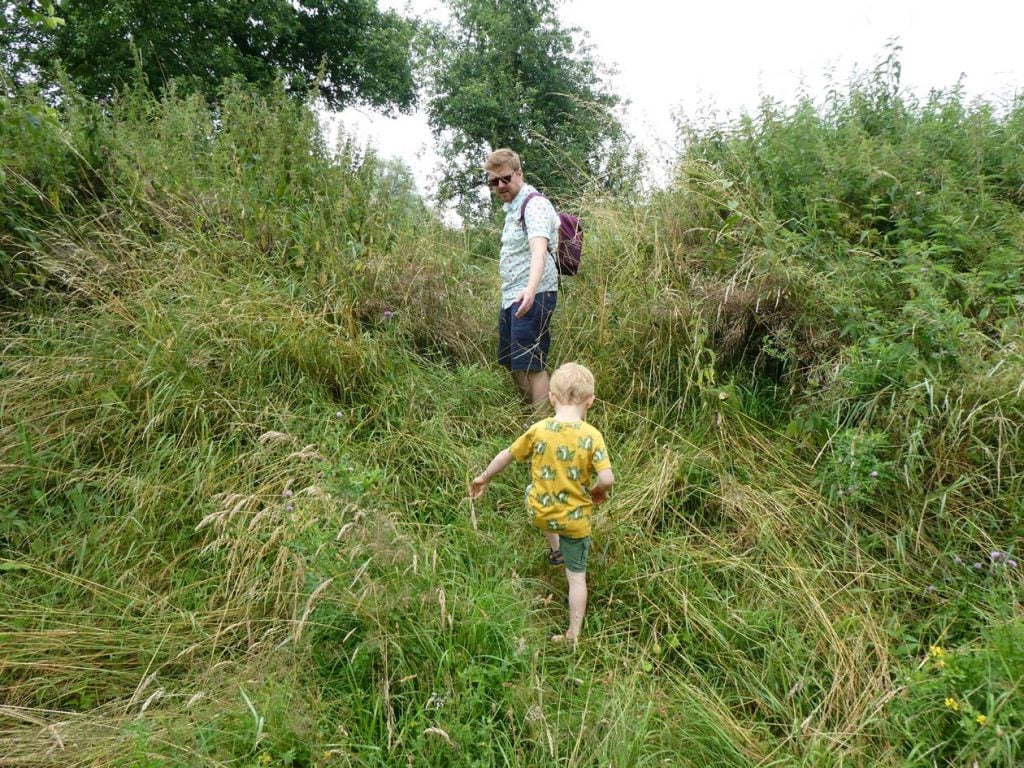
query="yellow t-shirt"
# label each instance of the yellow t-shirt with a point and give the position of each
(565, 457)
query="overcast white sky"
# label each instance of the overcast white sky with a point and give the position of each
(679, 57)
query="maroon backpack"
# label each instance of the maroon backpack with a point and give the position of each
(570, 238)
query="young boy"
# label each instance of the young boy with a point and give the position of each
(570, 473)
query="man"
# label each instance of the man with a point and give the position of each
(529, 279)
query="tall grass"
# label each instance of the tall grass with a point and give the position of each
(247, 377)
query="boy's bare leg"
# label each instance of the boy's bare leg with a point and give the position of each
(577, 603)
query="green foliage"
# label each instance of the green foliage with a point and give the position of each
(251, 181)
(347, 52)
(960, 705)
(856, 470)
(34, 167)
(23, 25)
(246, 379)
(861, 252)
(508, 75)
(39, 12)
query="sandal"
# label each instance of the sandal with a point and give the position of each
(555, 557)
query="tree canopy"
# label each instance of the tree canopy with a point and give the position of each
(506, 74)
(348, 50)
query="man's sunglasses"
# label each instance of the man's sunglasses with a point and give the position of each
(494, 181)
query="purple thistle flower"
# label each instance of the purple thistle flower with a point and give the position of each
(978, 566)
(874, 473)
(958, 560)
(932, 589)
(1011, 563)
(289, 507)
(388, 314)
(287, 493)
(995, 554)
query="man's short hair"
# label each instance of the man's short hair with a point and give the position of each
(503, 158)
(572, 384)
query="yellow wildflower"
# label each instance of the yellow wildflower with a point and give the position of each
(953, 704)
(981, 719)
(265, 759)
(940, 663)
(936, 652)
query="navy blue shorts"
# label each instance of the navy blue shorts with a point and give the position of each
(523, 342)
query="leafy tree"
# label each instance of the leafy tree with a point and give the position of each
(504, 73)
(39, 12)
(351, 51)
(21, 24)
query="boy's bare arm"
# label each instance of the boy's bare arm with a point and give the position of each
(599, 490)
(481, 481)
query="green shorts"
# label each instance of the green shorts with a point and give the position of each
(575, 552)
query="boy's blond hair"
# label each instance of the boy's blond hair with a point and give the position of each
(503, 158)
(572, 384)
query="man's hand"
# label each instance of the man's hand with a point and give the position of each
(525, 300)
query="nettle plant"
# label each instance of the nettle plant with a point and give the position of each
(855, 469)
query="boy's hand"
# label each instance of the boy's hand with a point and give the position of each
(599, 490)
(478, 486)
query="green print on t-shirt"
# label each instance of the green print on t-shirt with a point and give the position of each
(564, 454)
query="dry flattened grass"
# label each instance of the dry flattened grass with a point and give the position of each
(160, 716)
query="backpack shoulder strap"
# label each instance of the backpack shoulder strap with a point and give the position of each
(522, 208)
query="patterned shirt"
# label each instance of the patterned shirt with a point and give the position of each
(541, 221)
(565, 457)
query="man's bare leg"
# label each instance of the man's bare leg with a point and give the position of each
(533, 386)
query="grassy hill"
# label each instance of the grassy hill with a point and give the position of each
(246, 379)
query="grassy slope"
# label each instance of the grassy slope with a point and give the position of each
(234, 519)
